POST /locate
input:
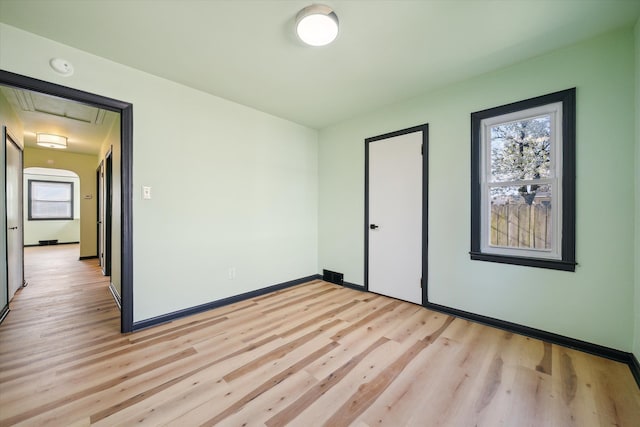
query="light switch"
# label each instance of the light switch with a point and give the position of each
(146, 193)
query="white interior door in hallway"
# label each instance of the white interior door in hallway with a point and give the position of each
(395, 214)
(15, 237)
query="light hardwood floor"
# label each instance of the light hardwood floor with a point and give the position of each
(311, 355)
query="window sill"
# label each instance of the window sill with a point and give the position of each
(529, 262)
(50, 219)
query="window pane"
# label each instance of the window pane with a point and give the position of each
(521, 216)
(521, 150)
(44, 209)
(51, 191)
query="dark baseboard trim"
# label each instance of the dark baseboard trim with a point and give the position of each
(343, 283)
(57, 244)
(116, 296)
(82, 258)
(142, 324)
(634, 365)
(595, 349)
(587, 347)
(353, 286)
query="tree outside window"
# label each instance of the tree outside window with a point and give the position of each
(523, 182)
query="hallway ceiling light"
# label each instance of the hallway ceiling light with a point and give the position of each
(317, 25)
(51, 141)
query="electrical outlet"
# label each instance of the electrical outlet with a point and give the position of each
(232, 273)
(146, 192)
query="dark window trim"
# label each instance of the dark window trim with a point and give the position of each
(30, 200)
(568, 261)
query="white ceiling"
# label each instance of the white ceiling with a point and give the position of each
(387, 51)
(86, 127)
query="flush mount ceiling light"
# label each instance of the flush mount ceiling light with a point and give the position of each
(51, 141)
(317, 25)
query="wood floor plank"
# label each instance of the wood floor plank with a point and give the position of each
(310, 396)
(312, 354)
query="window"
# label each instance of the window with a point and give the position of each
(523, 182)
(49, 200)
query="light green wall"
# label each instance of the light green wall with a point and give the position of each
(636, 347)
(64, 231)
(232, 186)
(85, 166)
(596, 302)
(9, 119)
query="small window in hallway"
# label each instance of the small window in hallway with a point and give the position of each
(50, 200)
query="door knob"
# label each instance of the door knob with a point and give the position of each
(373, 226)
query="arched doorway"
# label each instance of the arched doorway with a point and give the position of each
(52, 208)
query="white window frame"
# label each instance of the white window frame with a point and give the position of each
(554, 111)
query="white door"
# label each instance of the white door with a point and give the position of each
(395, 216)
(15, 246)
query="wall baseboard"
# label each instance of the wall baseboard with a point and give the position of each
(634, 365)
(142, 324)
(82, 258)
(116, 295)
(587, 347)
(353, 286)
(584, 346)
(57, 244)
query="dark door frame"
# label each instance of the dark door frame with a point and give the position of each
(3, 223)
(126, 140)
(108, 206)
(104, 201)
(425, 201)
(99, 177)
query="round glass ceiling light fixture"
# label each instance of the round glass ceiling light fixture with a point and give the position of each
(51, 141)
(317, 25)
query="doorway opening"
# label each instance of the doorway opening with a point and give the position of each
(396, 200)
(104, 192)
(51, 206)
(122, 168)
(13, 279)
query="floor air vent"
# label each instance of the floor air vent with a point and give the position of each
(333, 277)
(48, 242)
